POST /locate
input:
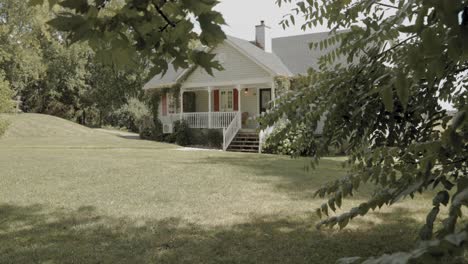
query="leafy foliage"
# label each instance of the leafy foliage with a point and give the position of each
(6, 94)
(6, 104)
(381, 91)
(183, 133)
(286, 141)
(58, 79)
(131, 115)
(160, 30)
(215, 138)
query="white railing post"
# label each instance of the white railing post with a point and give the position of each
(209, 107)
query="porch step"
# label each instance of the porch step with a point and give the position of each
(245, 142)
(244, 150)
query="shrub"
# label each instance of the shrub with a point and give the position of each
(199, 137)
(147, 128)
(150, 130)
(169, 138)
(183, 133)
(6, 104)
(286, 140)
(130, 115)
(215, 138)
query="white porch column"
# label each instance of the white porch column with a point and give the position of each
(258, 102)
(181, 104)
(209, 106)
(239, 94)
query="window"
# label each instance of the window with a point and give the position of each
(229, 101)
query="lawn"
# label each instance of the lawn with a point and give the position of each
(70, 194)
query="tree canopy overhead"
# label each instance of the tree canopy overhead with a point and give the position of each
(403, 58)
(160, 30)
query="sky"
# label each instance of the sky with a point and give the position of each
(243, 15)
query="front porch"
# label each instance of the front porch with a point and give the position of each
(227, 107)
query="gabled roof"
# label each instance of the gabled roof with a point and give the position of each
(268, 61)
(295, 51)
(164, 81)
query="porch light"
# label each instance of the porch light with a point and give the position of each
(246, 91)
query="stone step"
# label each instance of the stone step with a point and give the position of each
(245, 141)
(244, 150)
(251, 143)
(248, 134)
(244, 146)
(242, 137)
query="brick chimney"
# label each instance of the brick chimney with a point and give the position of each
(262, 36)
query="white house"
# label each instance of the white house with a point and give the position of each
(232, 99)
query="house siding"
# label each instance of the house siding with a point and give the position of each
(236, 67)
(202, 101)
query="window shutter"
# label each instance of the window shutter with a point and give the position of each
(216, 100)
(236, 100)
(164, 104)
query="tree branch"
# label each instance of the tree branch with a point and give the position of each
(165, 17)
(103, 5)
(386, 5)
(397, 45)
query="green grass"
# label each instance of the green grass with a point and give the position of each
(3, 125)
(69, 194)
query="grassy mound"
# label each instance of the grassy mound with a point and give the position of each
(26, 130)
(37, 125)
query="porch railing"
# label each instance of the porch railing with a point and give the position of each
(231, 131)
(230, 122)
(222, 119)
(197, 120)
(215, 120)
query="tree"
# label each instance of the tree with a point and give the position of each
(21, 29)
(6, 103)
(110, 87)
(59, 79)
(159, 30)
(403, 58)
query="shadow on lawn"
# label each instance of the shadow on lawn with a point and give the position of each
(294, 178)
(32, 235)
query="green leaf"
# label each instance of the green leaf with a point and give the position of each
(402, 88)
(35, 2)
(67, 22)
(338, 199)
(442, 197)
(387, 97)
(331, 204)
(325, 209)
(343, 221)
(459, 119)
(52, 3)
(78, 5)
(319, 212)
